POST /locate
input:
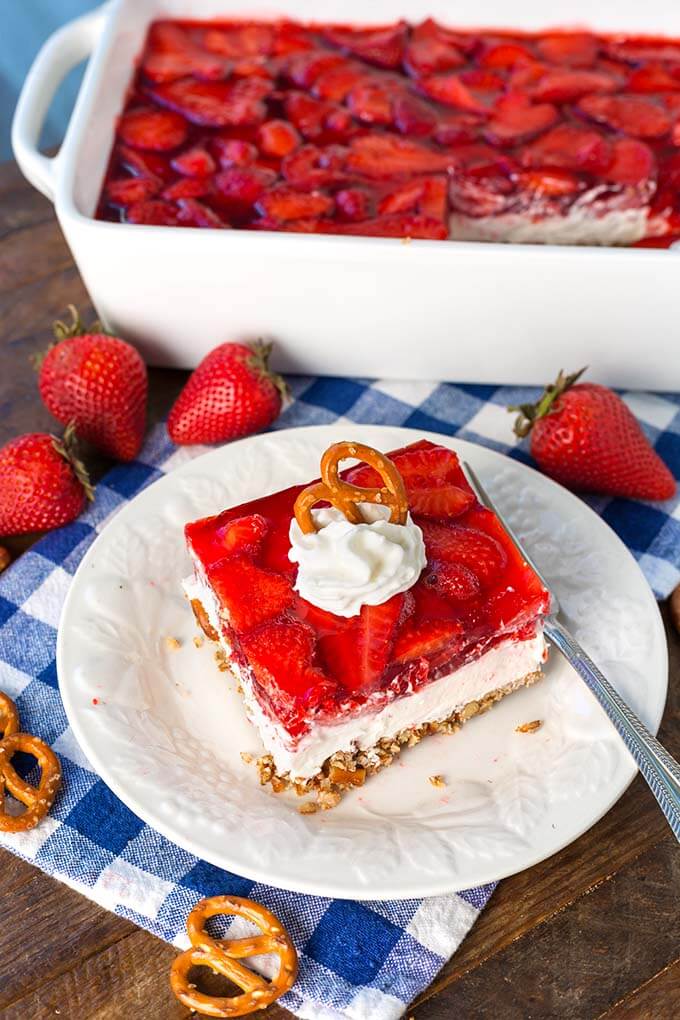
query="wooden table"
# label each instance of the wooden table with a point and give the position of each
(592, 932)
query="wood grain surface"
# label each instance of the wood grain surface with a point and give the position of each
(594, 932)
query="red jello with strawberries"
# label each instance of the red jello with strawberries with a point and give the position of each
(408, 131)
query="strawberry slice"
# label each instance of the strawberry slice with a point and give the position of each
(453, 581)
(304, 70)
(240, 41)
(429, 475)
(278, 138)
(153, 213)
(637, 51)
(358, 655)
(439, 501)
(430, 51)
(333, 85)
(566, 86)
(412, 117)
(570, 148)
(158, 130)
(552, 183)
(187, 187)
(427, 195)
(216, 104)
(481, 80)
(632, 114)
(283, 203)
(574, 49)
(195, 214)
(234, 152)
(281, 656)
(150, 165)
(652, 78)
(196, 162)
(450, 90)
(238, 535)
(421, 640)
(172, 54)
(470, 547)
(306, 113)
(371, 103)
(128, 190)
(311, 167)
(381, 46)
(387, 156)
(243, 186)
(505, 56)
(482, 191)
(354, 204)
(402, 225)
(515, 120)
(632, 163)
(251, 595)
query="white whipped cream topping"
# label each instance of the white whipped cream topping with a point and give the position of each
(343, 566)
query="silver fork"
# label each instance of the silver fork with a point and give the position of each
(660, 770)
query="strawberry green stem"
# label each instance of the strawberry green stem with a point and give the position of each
(67, 447)
(529, 414)
(260, 364)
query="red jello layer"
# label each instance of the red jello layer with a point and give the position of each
(308, 664)
(388, 131)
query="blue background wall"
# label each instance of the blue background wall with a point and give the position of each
(25, 24)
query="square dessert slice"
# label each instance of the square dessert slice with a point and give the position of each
(407, 611)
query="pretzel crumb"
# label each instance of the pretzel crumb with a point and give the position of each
(436, 780)
(5, 558)
(247, 757)
(310, 807)
(199, 641)
(529, 727)
(172, 644)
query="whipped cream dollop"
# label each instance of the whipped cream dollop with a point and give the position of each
(343, 566)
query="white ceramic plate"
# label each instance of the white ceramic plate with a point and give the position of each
(167, 728)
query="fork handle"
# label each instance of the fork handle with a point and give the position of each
(660, 770)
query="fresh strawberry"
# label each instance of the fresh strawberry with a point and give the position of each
(412, 117)
(423, 639)
(98, 382)
(381, 46)
(632, 114)
(569, 147)
(632, 163)
(516, 120)
(450, 90)
(158, 130)
(652, 78)
(470, 547)
(585, 437)
(385, 156)
(353, 204)
(233, 152)
(283, 203)
(153, 213)
(42, 484)
(129, 190)
(250, 594)
(196, 162)
(574, 49)
(357, 655)
(566, 86)
(278, 138)
(216, 103)
(504, 56)
(452, 581)
(231, 394)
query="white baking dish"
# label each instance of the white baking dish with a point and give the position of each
(348, 305)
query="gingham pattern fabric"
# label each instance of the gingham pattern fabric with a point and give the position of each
(361, 960)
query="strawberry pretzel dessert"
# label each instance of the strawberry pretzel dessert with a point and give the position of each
(407, 131)
(365, 611)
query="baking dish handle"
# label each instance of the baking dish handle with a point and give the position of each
(64, 50)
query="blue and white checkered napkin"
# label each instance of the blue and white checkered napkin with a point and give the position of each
(361, 960)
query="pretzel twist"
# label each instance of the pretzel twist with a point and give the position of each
(9, 717)
(222, 956)
(37, 799)
(344, 496)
